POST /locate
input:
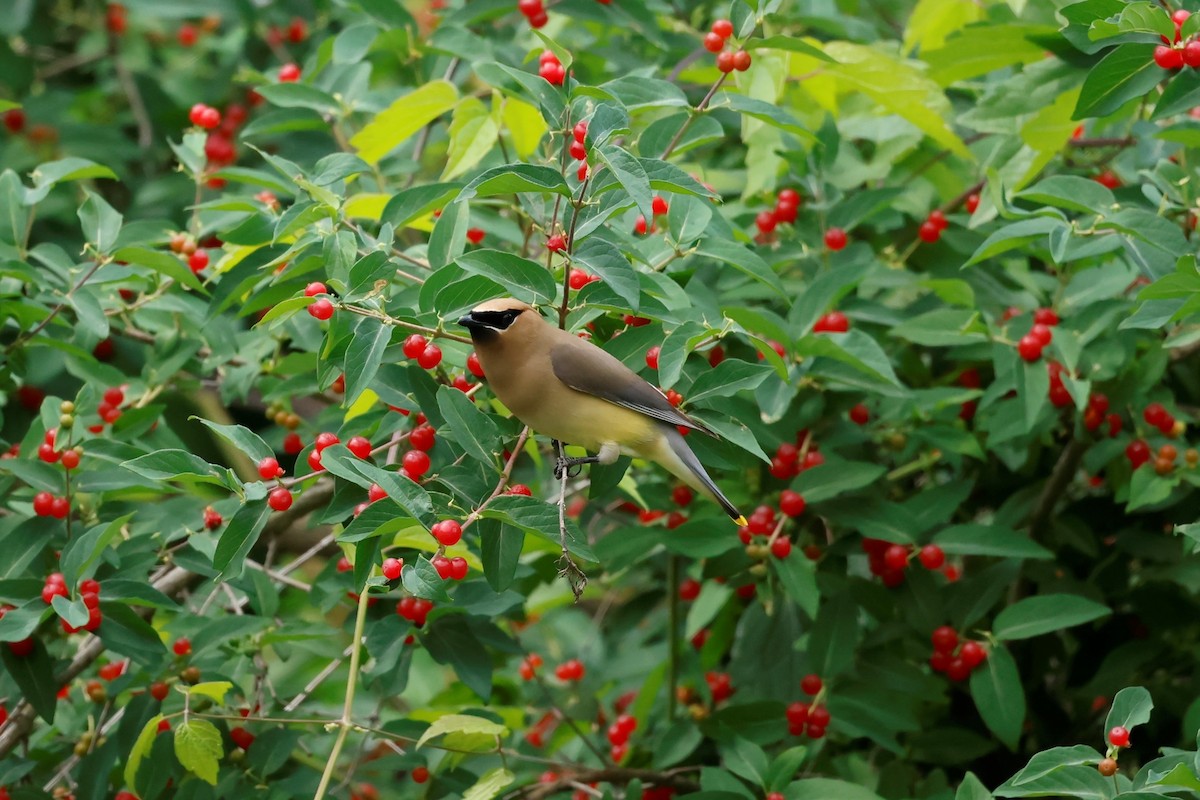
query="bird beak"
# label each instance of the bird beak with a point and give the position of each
(467, 321)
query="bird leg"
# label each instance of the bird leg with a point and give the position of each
(576, 578)
(572, 466)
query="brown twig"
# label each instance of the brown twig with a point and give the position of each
(619, 775)
(687, 123)
(1052, 492)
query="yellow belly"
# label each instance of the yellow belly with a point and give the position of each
(589, 422)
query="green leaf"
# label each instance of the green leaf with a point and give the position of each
(1134, 18)
(834, 637)
(490, 784)
(1053, 759)
(244, 439)
(1126, 73)
(404, 117)
(989, 540)
(1131, 707)
(173, 465)
(516, 178)
(53, 173)
(1034, 616)
(740, 258)
(856, 348)
(240, 534)
(163, 263)
(450, 640)
(830, 481)
(630, 174)
(461, 723)
(798, 578)
(82, 552)
(100, 222)
(1014, 235)
(124, 631)
(524, 279)
(603, 258)
(141, 749)
(411, 204)
(996, 689)
(300, 95)
(467, 426)
(1070, 192)
(473, 134)
(828, 789)
(704, 609)
(34, 676)
(943, 327)
(198, 748)
(411, 497)
(501, 546)
(1147, 488)
(727, 379)
(1033, 387)
(363, 357)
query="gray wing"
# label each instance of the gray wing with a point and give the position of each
(586, 368)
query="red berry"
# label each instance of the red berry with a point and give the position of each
(1155, 414)
(972, 203)
(1045, 316)
(781, 547)
(945, 639)
(639, 225)
(860, 414)
(42, 502)
(420, 774)
(689, 589)
(1168, 57)
(957, 670)
(580, 131)
(422, 438)
(725, 61)
(159, 690)
(14, 120)
(652, 357)
(1191, 53)
(896, 557)
(790, 196)
(289, 73)
(70, 459)
(48, 454)
(972, 654)
(938, 219)
(931, 556)
(556, 244)
(241, 737)
(458, 568)
(520, 489)
(1029, 348)
(322, 309)
(447, 532)
(325, 439)
(430, 357)
(929, 232)
(359, 446)
(833, 322)
(182, 646)
(315, 288)
(1118, 736)
(1108, 178)
(713, 43)
(292, 443)
(1042, 333)
(416, 462)
(578, 279)
(280, 499)
(791, 503)
(60, 508)
(659, 206)
(765, 221)
(529, 7)
(297, 31)
(741, 61)
(682, 495)
(414, 345)
(835, 239)
(811, 684)
(269, 469)
(442, 565)
(538, 20)
(722, 28)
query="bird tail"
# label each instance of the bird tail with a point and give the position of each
(681, 462)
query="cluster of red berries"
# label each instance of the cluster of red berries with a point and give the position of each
(577, 149)
(419, 348)
(931, 229)
(659, 208)
(1094, 416)
(578, 278)
(787, 208)
(183, 245)
(322, 307)
(296, 32)
(805, 719)
(46, 452)
(836, 239)
(414, 609)
(792, 459)
(618, 736)
(1060, 397)
(89, 593)
(204, 116)
(1040, 335)
(47, 505)
(833, 322)
(450, 568)
(762, 523)
(954, 658)
(529, 666)
(534, 12)
(888, 561)
(720, 685)
(570, 671)
(727, 60)
(219, 148)
(1158, 416)
(550, 68)
(1174, 55)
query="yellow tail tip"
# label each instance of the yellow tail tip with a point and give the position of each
(741, 521)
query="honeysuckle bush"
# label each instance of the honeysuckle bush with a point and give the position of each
(926, 267)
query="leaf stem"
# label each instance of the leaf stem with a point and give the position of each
(346, 723)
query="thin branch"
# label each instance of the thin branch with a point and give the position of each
(346, 723)
(133, 94)
(687, 123)
(1052, 492)
(619, 775)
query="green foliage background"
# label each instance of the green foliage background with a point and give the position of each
(1064, 160)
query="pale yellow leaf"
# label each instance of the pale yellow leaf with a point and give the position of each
(1045, 134)
(403, 118)
(933, 20)
(368, 205)
(214, 690)
(473, 134)
(525, 126)
(198, 748)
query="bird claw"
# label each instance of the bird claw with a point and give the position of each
(561, 467)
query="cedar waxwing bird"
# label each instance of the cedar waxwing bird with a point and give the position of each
(569, 389)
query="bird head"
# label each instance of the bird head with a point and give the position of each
(496, 317)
